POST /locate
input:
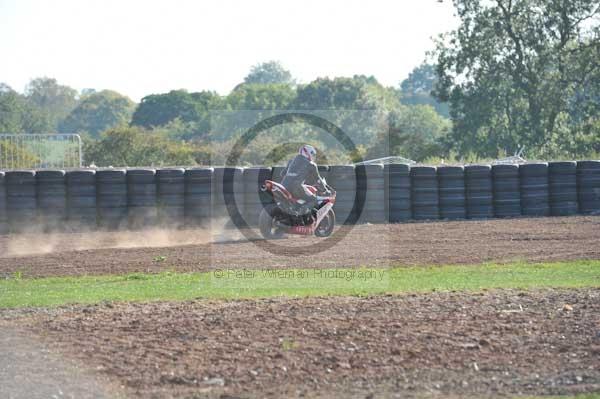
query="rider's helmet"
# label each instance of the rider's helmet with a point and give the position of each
(308, 152)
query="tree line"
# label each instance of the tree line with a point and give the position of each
(522, 73)
(176, 127)
(514, 74)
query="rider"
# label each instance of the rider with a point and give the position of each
(302, 170)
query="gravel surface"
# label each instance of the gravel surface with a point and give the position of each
(30, 369)
(495, 343)
(462, 242)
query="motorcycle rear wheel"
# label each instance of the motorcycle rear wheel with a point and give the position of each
(267, 224)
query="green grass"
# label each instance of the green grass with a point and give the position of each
(17, 291)
(581, 396)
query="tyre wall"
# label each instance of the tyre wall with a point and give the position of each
(254, 198)
(534, 189)
(425, 200)
(374, 183)
(507, 191)
(479, 191)
(21, 200)
(51, 191)
(562, 178)
(343, 179)
(451, 181)
(111, 198)
(170, 189)
(142, 198)
(138, 198)
(198, 196)
(81, 199)
(588, 186)
(397, 192)
(228, 195)
(3, 216)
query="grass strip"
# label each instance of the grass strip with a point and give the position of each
(236, 284)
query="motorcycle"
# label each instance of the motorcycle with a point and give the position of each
(289, 215)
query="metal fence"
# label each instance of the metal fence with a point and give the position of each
(40, 151)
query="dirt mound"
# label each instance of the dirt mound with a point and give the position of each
(442, 345)
(463, 242)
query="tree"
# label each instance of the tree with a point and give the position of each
(192, 109)
(416, 132)
(268, 73)
(11, 110)
(417, 89)
(269, 96)
(17, 115)
(97, 112)
(136, 146)
(511, 69)
(350, 96)
(356, 93)
(54, 101)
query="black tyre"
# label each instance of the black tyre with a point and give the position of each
(267, 223)
(325, 228)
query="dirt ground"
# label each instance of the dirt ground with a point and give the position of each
(461, 242)
(495, 343)
(30, 369)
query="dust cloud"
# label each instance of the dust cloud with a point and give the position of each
(32, 242)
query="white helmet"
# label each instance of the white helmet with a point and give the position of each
(308, 152)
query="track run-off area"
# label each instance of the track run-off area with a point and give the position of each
(409, 244)
(442, 309)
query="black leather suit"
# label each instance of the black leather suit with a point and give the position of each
(301, 171)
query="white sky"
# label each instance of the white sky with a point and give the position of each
(139, 47)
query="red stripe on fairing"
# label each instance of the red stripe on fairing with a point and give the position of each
(274, 186)
(312, 189)
(302, 230)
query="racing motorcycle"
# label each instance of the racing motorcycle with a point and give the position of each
(289, 215)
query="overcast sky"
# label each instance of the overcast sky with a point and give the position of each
(139, 47)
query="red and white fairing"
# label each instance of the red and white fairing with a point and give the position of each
(325, 203)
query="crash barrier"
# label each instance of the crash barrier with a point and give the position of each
(198, 188)
(21, 201)
(81, 199)
(342, 177)
(451, 180)
(142, 208)
(588, 186)
(506, 191)
(534, 189)
(170, 191)
(51, 189)
(479, 191)
(111, 186)
(174, 197)
(398, 204)
(255, 199)
(562, 180)
(3, 217)
(374, 206)
(425, 199)
(228, 195)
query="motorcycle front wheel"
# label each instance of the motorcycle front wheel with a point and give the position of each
(325, 228)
